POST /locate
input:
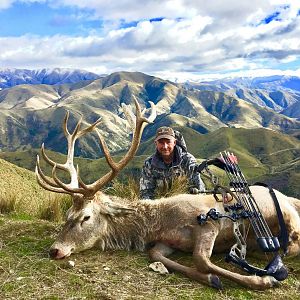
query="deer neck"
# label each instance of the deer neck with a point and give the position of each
(135, 230)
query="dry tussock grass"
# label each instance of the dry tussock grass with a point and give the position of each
(38, 203)
(129, 189)
(179, 185)
(55, 208)
(8, 202)
(42, 205)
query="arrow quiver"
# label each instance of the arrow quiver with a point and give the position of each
(245, 207)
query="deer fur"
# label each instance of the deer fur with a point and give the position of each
(170, 224)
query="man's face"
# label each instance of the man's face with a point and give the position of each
(165, 146)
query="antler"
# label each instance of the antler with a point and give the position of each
(76, 184)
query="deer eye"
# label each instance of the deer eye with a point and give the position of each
(86, 218)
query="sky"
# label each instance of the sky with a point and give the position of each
(173, 39)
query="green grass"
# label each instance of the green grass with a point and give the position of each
(26, 272)
(263, 155)
(23, 198)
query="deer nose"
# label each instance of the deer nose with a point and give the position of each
(53, 252)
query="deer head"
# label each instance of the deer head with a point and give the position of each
(91, 209)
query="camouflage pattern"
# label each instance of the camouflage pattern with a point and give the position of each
(156, 173)
(164, 133)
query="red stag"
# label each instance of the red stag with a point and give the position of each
(105, 222)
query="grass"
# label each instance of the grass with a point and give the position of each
(179, 185)
(53, 208)
(26, 272)
(128, 189)
(7, 202)
(21, 196)
(264, 155)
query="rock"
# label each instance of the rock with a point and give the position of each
(126, 278)
(19, 278)
(66, 264)
(71, 263)
(159, 268)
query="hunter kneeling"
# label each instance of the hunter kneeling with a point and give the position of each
(170, 160)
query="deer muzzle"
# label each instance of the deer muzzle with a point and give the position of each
(60, 252)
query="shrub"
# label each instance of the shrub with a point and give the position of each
(179, 185)
(55, 208)
(8, 200)
(128, 189)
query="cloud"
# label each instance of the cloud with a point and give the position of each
(4, 4)
(168, 37)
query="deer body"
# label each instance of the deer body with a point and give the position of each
(162, 226)
(170, 221)
(170, 224)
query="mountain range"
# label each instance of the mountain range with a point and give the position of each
(280, 93)
(13, 77)
(31, 114)
(256, 118)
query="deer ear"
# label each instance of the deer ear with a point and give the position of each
(116, 209)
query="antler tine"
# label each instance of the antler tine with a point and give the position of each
(140, 119)
(106, 152)
(64, 186)
(75, 133)
(81, 183)
(129, 116)
(48, 187)
(153, 113)
(50, 161)
(44, 182)
(138, 108)
(91, 189)
(65, 122)
(140, 123)
(42, 175)
(89, 128)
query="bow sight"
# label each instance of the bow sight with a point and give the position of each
(246, 208)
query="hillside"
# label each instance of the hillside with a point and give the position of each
(263, 154)
(278, 93)
(18, 186)
(293, 110)
(32, 114)
(12, 176)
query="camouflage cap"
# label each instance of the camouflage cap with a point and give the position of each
(164, 133)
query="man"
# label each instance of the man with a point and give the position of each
(170, 160)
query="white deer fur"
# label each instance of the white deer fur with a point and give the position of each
(170, 224)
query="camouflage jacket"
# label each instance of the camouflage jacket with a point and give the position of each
(156, 173)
